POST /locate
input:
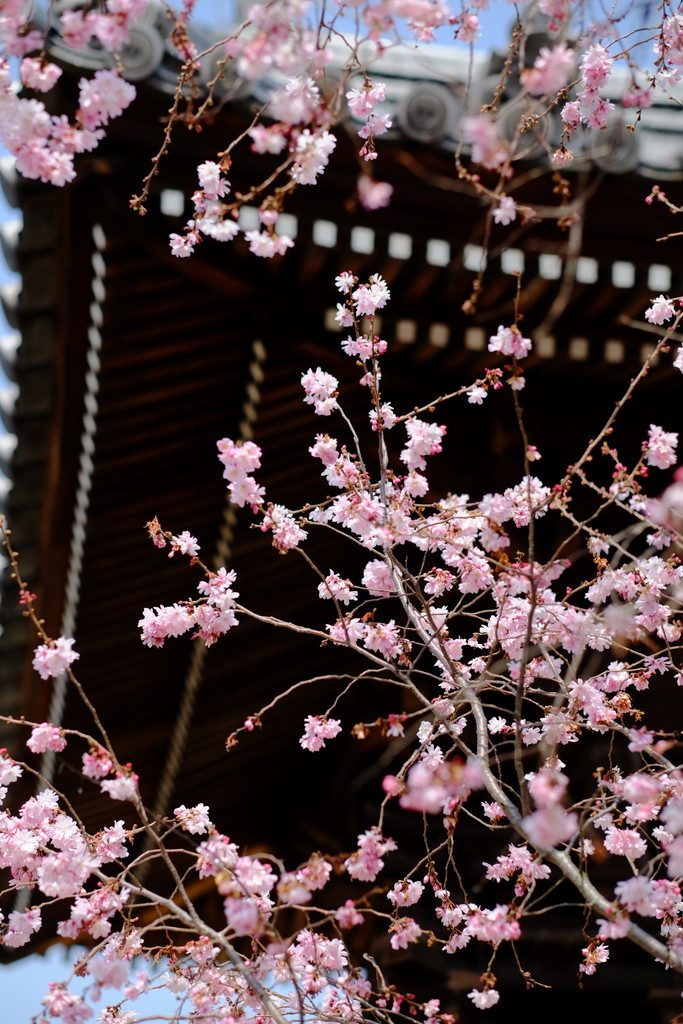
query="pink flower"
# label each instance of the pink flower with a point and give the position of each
(596, 67)
(266, 244)
(639, 895)
(39, 75)
(211, 183)
(550, 72)
(371, 297)
(505, 212)
(71, 1009)
(159, 623)
(373, 195)
(21, 926)
(122, 787)
(111, 842)
(321, 391)
(488, 148)
(347, 916)
(286, 533)
(182, 246)
(376, 124)
(550, 826)
(334, 587)
(345, 282)
(571, 115)
(102, 97)
(367, 862)
(363, 101)
(311, 156)
(267, 140)
(596, 953)
(386, 416)
(661, 310)
(635, 97)
(77, 30)
(54, 657)
(185, 543)
(484, 1000)
(468, 31)
(403, 932)
(46, 737)
(660, 447)
(347, 631)
(405, 894)
(385, 638)
(424, 439)
(509, 342)
(319, 729)
(193, 819)
(625, 841)
(615, 928)
(96, 763)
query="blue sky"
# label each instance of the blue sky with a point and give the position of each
(23, 985)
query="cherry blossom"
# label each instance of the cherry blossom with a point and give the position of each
(495, 663)
(660, 448)
(373, 195)
(661, 310)
(337, 589)
(318, 730)
(550, 72)
(321, 391)
(194, 819)
(53, 658)
(485, 999)
(505, 213)
(46, 737)
(509, 342)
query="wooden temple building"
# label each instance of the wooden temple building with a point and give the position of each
(129, 364)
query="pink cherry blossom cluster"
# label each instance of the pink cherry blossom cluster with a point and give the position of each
(46, 737)
(590, 108)
(44, 144)
(362, 103)
(211, 617)
(110, 26)
(510, 342)
(239, 460)
(551, 824)
(287, 533)
(54, 657)
(321, 391)
(368, 860)
(435, 786)
(44, 847)
(488, 148)
(318, 730)
(668, 48)
(363, 300)
(660, 447)
(550, 72)
(661, 310)
(302, 129)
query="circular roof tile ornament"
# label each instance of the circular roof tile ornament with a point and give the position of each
(614, 149)
(57, 7)
(519, 124)
(429, 113)
(216, 65)
(143, 52)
